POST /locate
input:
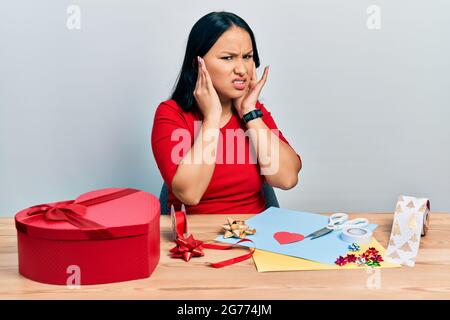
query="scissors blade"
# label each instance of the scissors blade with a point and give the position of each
(319, 233)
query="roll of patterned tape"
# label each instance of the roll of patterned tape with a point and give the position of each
(411, 221)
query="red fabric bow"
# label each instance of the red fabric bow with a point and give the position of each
(187, 248)
(73, 212)
(64, 211)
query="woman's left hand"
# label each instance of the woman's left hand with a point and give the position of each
(247, 102)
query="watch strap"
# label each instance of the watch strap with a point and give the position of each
(256, 113)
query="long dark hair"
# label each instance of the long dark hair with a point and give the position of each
(202, 37)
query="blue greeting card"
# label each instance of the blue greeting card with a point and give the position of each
(324, 249)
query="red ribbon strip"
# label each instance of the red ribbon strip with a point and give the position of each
(179, 224)
(226, 247)
(72, 211)
(186, 248)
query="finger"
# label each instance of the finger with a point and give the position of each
(254, 79)
(263, 80)
(207, 77)
(199, 70)
(203, 83)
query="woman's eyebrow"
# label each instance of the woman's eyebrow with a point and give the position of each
(234, 53)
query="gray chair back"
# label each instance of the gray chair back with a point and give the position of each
(269, 194)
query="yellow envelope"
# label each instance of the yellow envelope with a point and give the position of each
(268, 261)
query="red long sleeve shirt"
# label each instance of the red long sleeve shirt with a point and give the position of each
(236, 185)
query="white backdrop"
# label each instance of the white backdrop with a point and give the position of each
(362, 95)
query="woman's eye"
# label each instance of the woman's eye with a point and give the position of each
(246, 57)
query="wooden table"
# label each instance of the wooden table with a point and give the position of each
(176, 279)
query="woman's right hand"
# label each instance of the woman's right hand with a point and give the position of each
(206, 96)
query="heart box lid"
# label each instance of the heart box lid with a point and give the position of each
(108, 213)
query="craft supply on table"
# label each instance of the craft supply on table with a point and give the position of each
(354, 247)
(274, 220)
(179, 222)
(237, 229)
(355, 234)
(338, 221)
(411, 221)
(266, 261)
(188, 247)
(371, 258)
(284, 237)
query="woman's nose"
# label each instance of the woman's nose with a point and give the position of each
(240, 67)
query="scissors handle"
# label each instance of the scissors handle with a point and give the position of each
(360, 222)
(340, 220)
(337, 219)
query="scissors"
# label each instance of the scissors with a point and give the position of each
(338, 221)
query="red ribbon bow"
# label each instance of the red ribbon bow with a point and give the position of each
(64, 211)
(187, 248)
(73, 212)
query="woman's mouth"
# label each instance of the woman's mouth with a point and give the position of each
(239, 84)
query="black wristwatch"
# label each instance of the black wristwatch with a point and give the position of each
(256, 113)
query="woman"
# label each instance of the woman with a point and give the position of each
(203, 165)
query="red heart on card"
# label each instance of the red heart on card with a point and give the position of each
(284, 237)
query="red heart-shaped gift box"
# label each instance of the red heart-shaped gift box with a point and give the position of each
(105, 236)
